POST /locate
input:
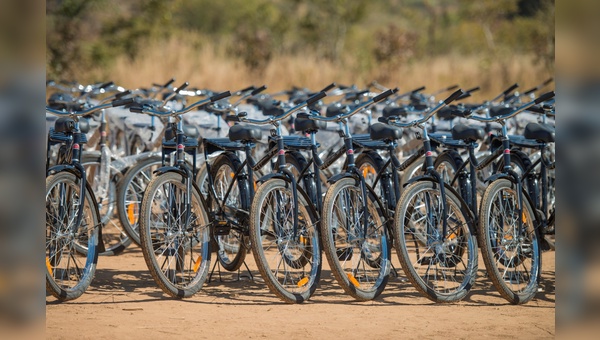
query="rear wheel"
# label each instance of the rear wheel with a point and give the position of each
(130, 192)
(114, 236)
(231, 193)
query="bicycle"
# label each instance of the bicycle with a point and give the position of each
(73, 226)
(173, 224)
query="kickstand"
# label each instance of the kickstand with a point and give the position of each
(217, 263)
(248, 270)
(394, 271)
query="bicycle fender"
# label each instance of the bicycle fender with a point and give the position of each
(165, 169)
(274, 175)
(339, 176)
(62, 167)
(419, 178)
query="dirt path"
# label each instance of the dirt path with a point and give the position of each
(125, 303)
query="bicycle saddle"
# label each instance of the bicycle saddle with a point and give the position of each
(248, 133)
(380, 131)
(303, 123)
(539, 132)
(336, 109)
(467, 133)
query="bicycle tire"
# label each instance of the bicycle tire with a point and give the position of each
(497, 255)
(184, 238)
(90, 223)
(368, 283)
(446, 254)
(130, 191)
(114, 236)
(231, 249)
(300, 255)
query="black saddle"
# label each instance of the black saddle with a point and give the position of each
(248, 133)
(336, 109)
(467, 133)
(397, 111)
(303, 123)
(496, 111)
(539, 132)
(380, 131)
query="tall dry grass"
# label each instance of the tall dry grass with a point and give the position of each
(210, 67)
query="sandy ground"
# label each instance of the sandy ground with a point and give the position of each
(124, 302)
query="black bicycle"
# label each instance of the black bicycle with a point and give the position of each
(73, 225)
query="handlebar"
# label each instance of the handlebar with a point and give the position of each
(358, 108)
(172, 113)
(393, 119)
(242, 116)
(114, 103)
(540, 99)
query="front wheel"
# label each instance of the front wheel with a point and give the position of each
(441, 263)
(175, 235)
(289, 260)
(69, 272)
(358, 254)
(509, 242)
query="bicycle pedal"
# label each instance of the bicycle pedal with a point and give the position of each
(222, 228)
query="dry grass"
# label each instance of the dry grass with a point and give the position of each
(209, 67)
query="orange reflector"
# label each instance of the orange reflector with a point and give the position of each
(303, 282)
(131, 210)
(49, 266)
(303, 239)
(232, 175)
(508, 237)
(368, 170)
(452, 236)
(524, 218)
(353, 280)
(197, 263)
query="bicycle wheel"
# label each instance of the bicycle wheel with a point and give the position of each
(290, 263)
(441, 266)
(69, 272)
(130, 191)
(447, 164)
(113, 234)
(175, 235)
(231, 250)
(359, 255)
(510, 249)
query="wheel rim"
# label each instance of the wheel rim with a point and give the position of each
(179, 247)
(66, 266)
(293, 261)
(442, 262)
(515, 255)
(231, 244)
(361, 256)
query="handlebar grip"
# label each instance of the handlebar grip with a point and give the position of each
(107, 84)
(463, 96)
(382, 119)
(168, 83)
(316, 98)
(475, 89)
(121, 102)
(232, 118)
(258, 90)
(548, 81)
(251, 87)
(419, 89)
(183, 86)
(220, 96)
(453, 96)
(453, 87)
(328, 87)
(384, 95)
(136, 109)
(545, 97)
(536, 109)
(122, 94)
(510, 89)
